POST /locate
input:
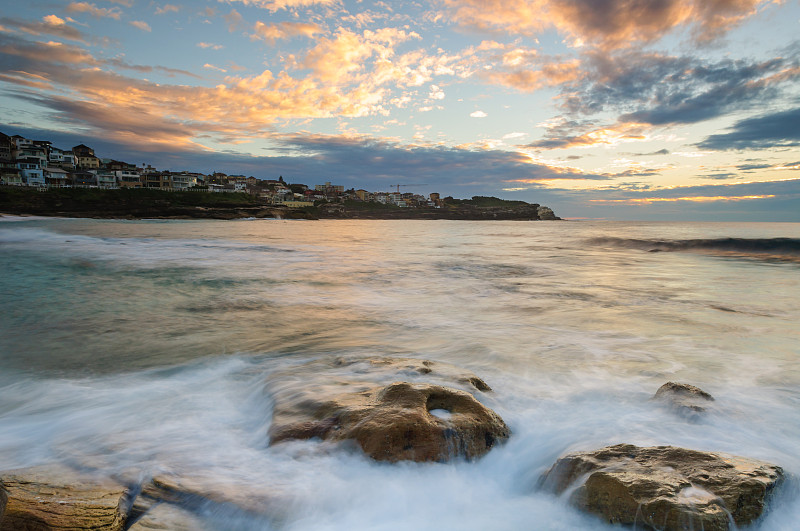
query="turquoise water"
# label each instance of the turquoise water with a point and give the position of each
(146, 345)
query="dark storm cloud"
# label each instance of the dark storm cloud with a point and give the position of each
(780, 129)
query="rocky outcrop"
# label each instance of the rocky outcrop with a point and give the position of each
(56, 497)
(664, 487)
(685, 399)
(399, 420)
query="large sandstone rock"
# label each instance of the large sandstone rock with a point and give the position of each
(391, 420)
(685, 399)
(664, 487)
(56, 497)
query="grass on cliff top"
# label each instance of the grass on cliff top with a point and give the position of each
(483, 201)
(10, 195)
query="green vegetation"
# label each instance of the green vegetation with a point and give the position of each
(98, 198)
(368, 205)
(481, 201)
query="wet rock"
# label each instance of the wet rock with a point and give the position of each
(361, 400)
(686, 399)
(56, 497)
(664, 487)
(196, 502)
(168, 517)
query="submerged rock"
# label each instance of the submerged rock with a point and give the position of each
(686, 399)
(664, 487)
(399, 420)
(56, 497)
(168, 517)
(184, 502)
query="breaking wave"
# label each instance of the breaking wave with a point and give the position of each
(788, 248)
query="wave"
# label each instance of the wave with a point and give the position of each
(788, 248)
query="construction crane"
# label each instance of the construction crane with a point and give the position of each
(404, 185)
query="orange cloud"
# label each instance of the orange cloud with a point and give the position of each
(540, 76)
(608, 24)
(99, 12)
(275, 5)
(604, 136)
(284, 30)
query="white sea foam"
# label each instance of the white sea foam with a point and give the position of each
(152, 356)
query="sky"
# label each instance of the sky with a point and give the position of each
(599, 109)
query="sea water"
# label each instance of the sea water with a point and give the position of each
(145, 347)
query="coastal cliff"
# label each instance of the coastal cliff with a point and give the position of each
(156, 204)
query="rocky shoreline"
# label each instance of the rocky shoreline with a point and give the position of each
(402, 409)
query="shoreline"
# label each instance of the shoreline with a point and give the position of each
(152, 204)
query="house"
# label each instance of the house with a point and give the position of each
(31, 172)
(84, 179)
(128, 178)
(55, 176)
(61, 159)
(155, 179)
(21, 142)
(330, 190)
(82, 150)
(182, 181)
(31, 153)
(10, 174)
(6, 148)
(105, 178)
(88, 163)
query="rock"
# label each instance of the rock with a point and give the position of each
(173, 500)
(684, 398)
(665, 487)
(197, 493)
(56, 497)
(168, 517)
(390, 420)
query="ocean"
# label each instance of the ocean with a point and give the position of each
(149, 347)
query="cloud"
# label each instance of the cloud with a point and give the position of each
(92, 9)
(275, 5)
(53, 20)
(141, 24)
(284, 30)
(478, 114)
(538, 75)
(606, 24)
(348, 75)
(235, 20)
(660, 89)
(210, 45)
(131, 125)
(779, 129)
(212, 67)
(167, 8)
(50, 25)
(559, 135)
(656, 90)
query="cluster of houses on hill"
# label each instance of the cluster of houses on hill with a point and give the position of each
(37, 163)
